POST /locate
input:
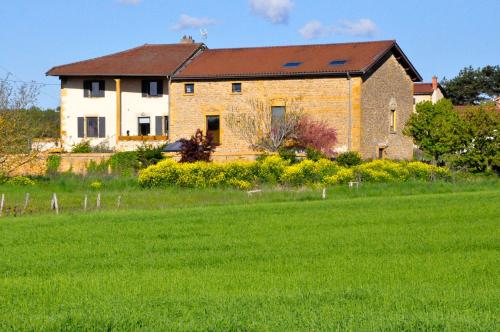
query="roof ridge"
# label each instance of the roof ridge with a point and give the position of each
(302, 45)
(117, 53)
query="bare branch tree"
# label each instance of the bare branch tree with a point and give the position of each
(263, 130)
(17, 128)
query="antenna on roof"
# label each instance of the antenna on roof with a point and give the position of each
(204, 34)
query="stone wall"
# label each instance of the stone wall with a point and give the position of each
(387, 88)
(322, 98)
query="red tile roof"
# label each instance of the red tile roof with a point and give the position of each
(146, 60)
(423, 89)
(314, 60)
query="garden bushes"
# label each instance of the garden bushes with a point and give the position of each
(274, 170)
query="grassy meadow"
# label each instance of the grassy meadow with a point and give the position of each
(397, 257)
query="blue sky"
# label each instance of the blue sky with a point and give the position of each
(439, 36)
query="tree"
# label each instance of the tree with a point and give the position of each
(263, 130)
(17, 127)
(482, 131)
(436, 129)
(316, 135)
(197, 148)
(473, 86)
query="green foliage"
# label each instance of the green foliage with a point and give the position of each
(349, 159)
(148, 154)
(482, 133)
(82, 147)
(97, 169)
(125, 163)
(472, 85)
(436, 129)
(288, 154)
(96, 185)
(314, 155)
(274, 170)
(20, 181)
(53, 163)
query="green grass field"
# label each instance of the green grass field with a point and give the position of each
(400, 257)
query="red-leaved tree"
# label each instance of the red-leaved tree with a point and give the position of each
(197, 148)
(316, 135)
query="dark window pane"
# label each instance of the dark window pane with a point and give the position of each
(236, 87)
(144, 126)
(92, 127)
(153, 88)
(95, 89)
(278, 115)
(213, 127)
(189, 88)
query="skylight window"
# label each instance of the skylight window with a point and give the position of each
(338, 62)
(292, 64)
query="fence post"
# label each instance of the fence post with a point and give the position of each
(2, 202)
(85, 199)
(26, 202)
(98, 201)
(119, 201)
(324, 193)
(54, 204)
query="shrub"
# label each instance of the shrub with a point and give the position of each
(349, 159)
(94, 168)
(53, 163)
(96, 185)
(314, 155)
(288, 154)
(315, 135)
(274, 170)
(271, 168)
(148, 155)
(20, 181)
(197, 148)
(343, 175)
(82, 147)
(124, 163)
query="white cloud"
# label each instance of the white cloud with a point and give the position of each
(276, 11)
(360, 28)
(313, 30)
(129, 2)
(189, 22)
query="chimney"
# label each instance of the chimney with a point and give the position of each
(434, 83)
(187, 40)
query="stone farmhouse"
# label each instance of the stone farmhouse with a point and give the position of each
(156, 93)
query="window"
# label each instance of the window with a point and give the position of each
(91, 127)
(213, 127)
(161, 125)
(277, 116)
(189, 88)
(338, 62)
(93, 88)
(393, 121)
(292, 64)
(236, 88)
(152, 88)
(144, 126)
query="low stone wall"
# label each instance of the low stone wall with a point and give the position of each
(78, 162)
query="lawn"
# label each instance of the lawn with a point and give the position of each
(387, 257)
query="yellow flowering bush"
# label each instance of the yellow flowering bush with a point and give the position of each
(20, 181)
(274, 170)
(343, 175)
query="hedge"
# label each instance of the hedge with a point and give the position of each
(274, 170)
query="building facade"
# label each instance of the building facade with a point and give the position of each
(119, 101)
(363, 90)
(432, 92)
